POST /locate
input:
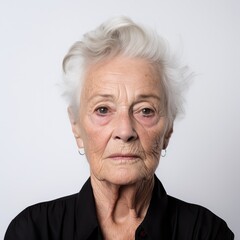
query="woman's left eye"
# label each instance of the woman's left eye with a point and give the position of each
(147, 112)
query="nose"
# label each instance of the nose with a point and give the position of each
(124, 128)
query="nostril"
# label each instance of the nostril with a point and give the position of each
(126, 138)
(130, 139)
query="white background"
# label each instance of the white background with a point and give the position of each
(38, 156)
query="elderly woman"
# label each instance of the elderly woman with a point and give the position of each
(124, 92)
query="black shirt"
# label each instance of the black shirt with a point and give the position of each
(74, 218)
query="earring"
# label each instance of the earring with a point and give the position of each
(81, 151)
(163, 154)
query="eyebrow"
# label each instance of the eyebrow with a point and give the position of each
(147, 96)
(104, 96)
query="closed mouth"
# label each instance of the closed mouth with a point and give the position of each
(124, 157)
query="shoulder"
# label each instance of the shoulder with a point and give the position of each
(53, 208)
(40, 218)
(200, 222)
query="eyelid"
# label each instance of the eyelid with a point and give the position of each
(100, 104)
(142, 105)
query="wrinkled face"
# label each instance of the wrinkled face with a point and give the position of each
(122, 124)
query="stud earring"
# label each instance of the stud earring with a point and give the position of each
(81, 151)
(163, 154)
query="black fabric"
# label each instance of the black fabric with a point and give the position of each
(74, 218)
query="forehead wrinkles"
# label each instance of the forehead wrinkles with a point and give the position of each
(115, 92)
(122, 79)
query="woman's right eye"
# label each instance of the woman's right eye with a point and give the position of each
(102, 111)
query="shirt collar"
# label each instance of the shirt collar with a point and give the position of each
(86, 217)
(154, 223)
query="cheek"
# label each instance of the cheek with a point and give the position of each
(152, 148)
(95, 137)
(152, 142)
(99, 121)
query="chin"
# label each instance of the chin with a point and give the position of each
(124, 177)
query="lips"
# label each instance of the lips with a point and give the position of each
(126, 156)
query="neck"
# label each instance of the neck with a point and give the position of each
(122, 204)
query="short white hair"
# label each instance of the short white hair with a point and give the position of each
(122, 36)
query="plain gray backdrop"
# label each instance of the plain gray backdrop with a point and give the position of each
(38, 156)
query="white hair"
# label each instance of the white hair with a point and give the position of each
(121, 36)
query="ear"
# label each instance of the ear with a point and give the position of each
(75, 127)
(167, 137)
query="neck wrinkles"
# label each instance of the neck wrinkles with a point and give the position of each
(120, 204)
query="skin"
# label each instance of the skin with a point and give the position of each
(123, 127)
